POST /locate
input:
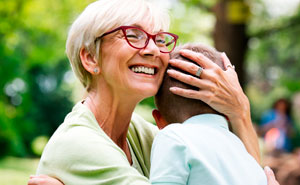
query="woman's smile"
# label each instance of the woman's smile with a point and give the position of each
(140, 69)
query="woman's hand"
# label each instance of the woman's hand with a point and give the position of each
(43, 180)
(219, 89)
(270, 176)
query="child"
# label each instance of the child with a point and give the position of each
(196, 147)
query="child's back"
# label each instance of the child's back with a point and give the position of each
(202, 150)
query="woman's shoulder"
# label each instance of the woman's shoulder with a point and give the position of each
(79, 130)
(81, 116)
(77, 141)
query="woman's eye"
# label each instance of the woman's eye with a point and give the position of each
(132, 36)
(160, 41)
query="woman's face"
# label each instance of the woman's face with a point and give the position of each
(120, 63)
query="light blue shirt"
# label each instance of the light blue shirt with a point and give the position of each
(202, 151)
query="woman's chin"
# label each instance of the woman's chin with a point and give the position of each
(145, 91)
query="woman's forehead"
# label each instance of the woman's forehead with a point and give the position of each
(148, 27)
(148, 17)
(149, 23)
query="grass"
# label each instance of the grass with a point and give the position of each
(16, 171)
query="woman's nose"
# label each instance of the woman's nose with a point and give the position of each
(151, 49)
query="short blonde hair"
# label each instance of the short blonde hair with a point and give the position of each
(102, 16)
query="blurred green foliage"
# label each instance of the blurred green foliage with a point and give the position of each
(36, 85)
(16, 171)
(38, 144)
(33, 98)
(273, 56)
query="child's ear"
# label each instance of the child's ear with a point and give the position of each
(160, 121)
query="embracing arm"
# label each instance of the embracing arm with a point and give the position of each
(43, 180)
(243, 128)
(222, 91)
(46, 180)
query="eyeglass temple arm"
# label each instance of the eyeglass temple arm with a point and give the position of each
(169, 43)
(97, 38)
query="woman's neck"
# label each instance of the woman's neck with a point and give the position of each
(113, 114)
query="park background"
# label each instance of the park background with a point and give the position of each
(38, 88)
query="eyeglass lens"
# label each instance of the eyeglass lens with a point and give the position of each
(137, 38)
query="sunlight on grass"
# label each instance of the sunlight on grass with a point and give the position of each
(16, 171)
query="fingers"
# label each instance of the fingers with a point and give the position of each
(34, 181)
(188, 79)
(186, 66)
(226, 61)
(269, 173)
(199, 58)
(43, 180)
(210, 73)
(192, 69)
(270, 176)
(189, 93)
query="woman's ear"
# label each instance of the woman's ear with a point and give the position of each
(89, 62)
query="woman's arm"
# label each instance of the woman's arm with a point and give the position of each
(43, 180)
(222, 91)
(46, 180)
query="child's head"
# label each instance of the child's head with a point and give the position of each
(176, 109)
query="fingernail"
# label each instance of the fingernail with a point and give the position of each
(183, 51)
(170, 71)
(173, 89)
(268, 170)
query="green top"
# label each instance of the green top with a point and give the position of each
(80, 152)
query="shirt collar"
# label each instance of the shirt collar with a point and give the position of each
(209, 120)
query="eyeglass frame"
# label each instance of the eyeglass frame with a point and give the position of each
(149, 36)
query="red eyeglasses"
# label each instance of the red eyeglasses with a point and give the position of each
(139, 38)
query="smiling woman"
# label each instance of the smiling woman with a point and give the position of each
(90, 27)
(119, 50)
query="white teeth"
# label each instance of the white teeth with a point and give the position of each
(143, 69)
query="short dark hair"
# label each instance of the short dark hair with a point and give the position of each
(174, 108)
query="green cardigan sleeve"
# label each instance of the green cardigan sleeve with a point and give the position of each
(80, 153)
(140, 136)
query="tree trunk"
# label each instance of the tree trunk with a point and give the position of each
(230, 36)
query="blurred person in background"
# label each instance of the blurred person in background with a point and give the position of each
(276, 124)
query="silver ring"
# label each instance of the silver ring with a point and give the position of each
(231, 66)
(198, 73)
